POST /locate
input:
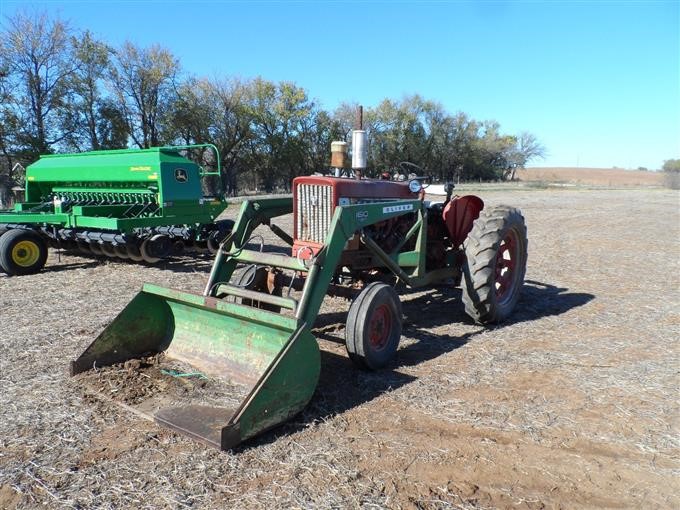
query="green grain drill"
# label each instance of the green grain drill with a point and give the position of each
(141, 205)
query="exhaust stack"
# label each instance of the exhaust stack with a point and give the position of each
(359, 145)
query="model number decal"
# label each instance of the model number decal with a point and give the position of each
(397, 208)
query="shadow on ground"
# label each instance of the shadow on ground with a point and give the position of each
(59, 267)
(443, 305)
(342, 386)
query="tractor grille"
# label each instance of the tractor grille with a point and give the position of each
(314, 212)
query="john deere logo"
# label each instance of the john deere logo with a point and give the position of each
(181, 175)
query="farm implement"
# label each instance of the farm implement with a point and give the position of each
(250, 333)
(140, 205)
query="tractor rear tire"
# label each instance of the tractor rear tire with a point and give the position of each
(495, 264)
(373, 326)
(22, 252)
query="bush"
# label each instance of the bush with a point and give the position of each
(672, 180)
(671, 169)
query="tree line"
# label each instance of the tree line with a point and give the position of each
(64, 90)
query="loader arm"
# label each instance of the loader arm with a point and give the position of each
(251, 216)
(274, 357)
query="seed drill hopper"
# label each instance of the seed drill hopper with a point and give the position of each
(140, 205)
(252, 329)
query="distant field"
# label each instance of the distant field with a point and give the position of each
(592, 176)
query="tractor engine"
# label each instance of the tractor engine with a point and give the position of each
(315, 199)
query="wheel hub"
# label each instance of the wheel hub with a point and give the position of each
(379, 331)
(506, 259)
(25, 253)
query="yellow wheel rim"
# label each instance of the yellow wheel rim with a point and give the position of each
(25, 253)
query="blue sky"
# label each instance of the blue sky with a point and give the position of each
(598, 82)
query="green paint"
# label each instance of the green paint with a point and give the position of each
(158, 176)
(275, 355)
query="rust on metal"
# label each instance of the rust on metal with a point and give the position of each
(203, 423)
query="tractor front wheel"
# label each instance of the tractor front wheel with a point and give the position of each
(22, 252)
(373, 326)
(495, 264)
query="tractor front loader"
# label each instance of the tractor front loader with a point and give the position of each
(252, 332)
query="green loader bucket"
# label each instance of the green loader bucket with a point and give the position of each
(262, 367)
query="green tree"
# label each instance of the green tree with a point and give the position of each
(215, 111)
(279, 113)
(671, 169)
(527, 147)
(318, 130)
(671, 165)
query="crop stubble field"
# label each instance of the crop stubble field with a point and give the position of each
(572, 403)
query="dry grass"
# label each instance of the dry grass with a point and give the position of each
(572, 403)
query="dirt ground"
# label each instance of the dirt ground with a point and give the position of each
(571, 404)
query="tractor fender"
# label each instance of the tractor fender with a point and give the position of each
(459, 214)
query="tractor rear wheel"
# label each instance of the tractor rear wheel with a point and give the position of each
(373, 326)
(22, 252)
(495, 264)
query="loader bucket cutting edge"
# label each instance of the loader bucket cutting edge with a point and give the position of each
(276, 358)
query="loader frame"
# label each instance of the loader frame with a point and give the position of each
(348, 221)
(276, 355)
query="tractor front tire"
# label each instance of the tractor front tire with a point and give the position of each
(22, 252)
(373, 326)
(495, 264)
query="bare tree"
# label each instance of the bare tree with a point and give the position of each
(528, 148)
(35, 50)
(96, 122)
(143, 80)
(215, 111)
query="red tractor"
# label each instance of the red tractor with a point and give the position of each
(486, 246)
